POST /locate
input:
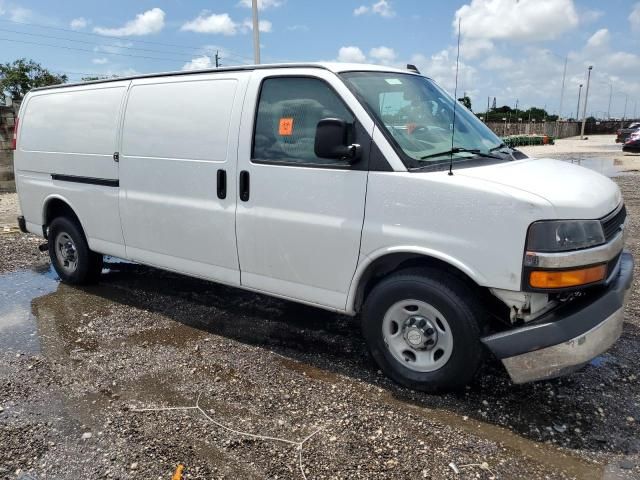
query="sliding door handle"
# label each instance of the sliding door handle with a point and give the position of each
(222, 184)
(244, 185)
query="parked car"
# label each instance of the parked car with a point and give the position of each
(633, 143)
(335, 185)
(623, 133)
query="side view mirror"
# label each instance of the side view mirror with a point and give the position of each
(332, 141)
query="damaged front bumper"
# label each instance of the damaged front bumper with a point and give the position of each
(567, 338)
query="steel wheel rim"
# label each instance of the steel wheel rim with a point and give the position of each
(406, 332)
(66, 252)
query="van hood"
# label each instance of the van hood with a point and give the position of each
(574, 191)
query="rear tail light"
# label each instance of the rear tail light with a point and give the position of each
(14, 141)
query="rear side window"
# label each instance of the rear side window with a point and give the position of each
(289, 110)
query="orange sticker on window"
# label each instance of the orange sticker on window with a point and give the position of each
(286, 126)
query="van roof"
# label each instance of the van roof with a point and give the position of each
(336, 67)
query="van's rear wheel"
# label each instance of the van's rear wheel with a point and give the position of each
(422, 329)
(70, 255)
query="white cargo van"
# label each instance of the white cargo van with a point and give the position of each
(347, 187)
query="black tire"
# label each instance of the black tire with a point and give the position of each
(458, 305)
(88, 263)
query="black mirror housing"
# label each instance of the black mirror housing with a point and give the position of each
(332, 140)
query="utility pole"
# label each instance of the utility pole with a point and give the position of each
(217, 57)
(578, 109)
(486, 116)
(586, 98)
(624, 115)
(610, 95)
(564, 76)
(256, 32)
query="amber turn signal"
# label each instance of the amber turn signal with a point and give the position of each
(567, 278)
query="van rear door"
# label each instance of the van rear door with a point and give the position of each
(179, 150)
(299, 217)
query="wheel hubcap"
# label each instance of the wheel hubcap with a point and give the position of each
(66, 252)
(417, 335)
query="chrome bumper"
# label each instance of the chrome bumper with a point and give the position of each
(567, 338)
(566, 357)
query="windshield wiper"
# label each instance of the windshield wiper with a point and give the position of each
(500, 147)
(474, 151)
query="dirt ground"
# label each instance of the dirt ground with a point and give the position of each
(77, 365)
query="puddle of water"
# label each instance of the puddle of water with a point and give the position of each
(599, 361)
(607, 167)
(18, 325)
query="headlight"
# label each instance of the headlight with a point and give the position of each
(564, 235)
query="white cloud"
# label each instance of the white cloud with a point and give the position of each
(381, 7)
(351, 54)
(79, 23)
(116, 47)
(213, 23)
(222, 23)
(599, 39)
(525, 20)
(473, 48)
(17, 13)
(634, 18)
(151, 21)
(264, 26)
(262, 4)
(383, 55)
(20, 14)
(497, 62)
(100, 61)
(590, 16)
(361, 10)
(199, 63)
(441, 66)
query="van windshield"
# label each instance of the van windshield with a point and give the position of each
(418, 117)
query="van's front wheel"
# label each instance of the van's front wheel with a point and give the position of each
(422, 329)
(70, 255)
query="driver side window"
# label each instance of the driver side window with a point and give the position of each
(288, 113)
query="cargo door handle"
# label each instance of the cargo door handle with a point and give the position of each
(244, 185)
(222, 184)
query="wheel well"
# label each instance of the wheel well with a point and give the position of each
(57, 208)
(388, 264)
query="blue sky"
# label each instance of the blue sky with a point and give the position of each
(511, 49)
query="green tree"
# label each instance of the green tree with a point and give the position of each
(17, 78)
(466, 101)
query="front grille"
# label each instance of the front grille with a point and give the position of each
(612, 223)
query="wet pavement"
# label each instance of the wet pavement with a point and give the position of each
(77, 363)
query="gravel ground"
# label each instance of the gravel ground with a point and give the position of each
(77, 363)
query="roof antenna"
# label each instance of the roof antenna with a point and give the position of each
(455, 103)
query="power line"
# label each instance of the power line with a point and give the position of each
(163, 59)
(92, 51)
(184, 47)
(86, 42)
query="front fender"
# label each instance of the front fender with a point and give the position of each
(367, 260)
